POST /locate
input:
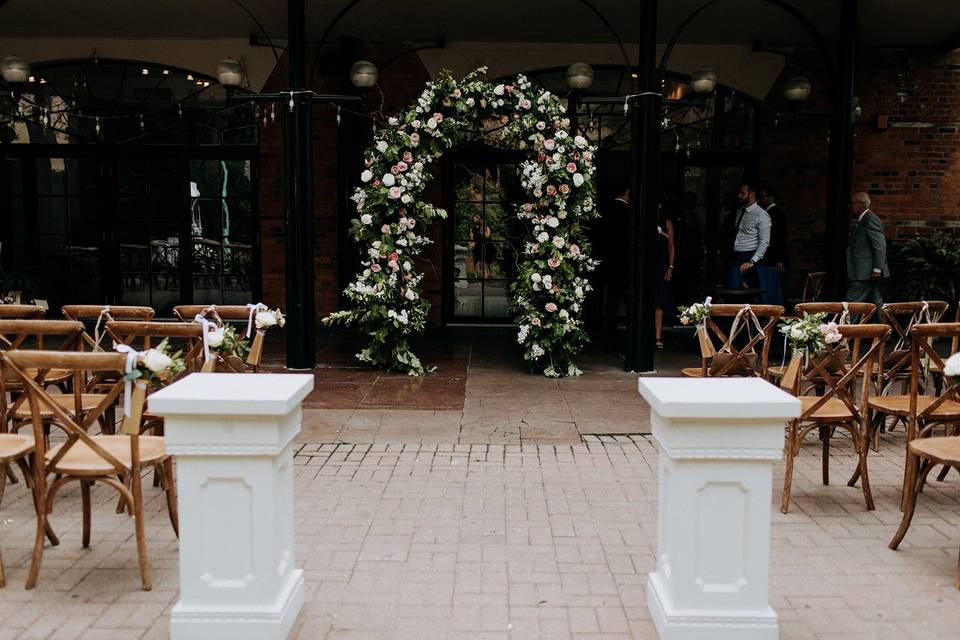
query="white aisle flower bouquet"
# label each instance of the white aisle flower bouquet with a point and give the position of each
(811, 334)
(951, 368)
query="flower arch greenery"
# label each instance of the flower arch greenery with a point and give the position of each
(557, 178)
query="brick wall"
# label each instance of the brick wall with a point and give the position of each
(910, 166)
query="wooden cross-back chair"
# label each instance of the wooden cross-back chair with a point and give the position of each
(902, 317)
(839, 312)
(743, 358)
(99, 315)
(936, 372)
(236, 314)
(113, 460)
(925, 452)
(838, 405)
(919, 409)
(21, 312)
(813, 286)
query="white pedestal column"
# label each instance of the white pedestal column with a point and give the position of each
(719, 438)
(232, 435)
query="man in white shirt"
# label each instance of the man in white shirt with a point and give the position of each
(752, 238)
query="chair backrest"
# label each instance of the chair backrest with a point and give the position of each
(100, 314)
(902, 318)
(924, 338)
(839, 312)
(215, 312)
(60, 334)
(740, 353)
(16, 364)
(836, 377)
(182, 336)
(813, 286)
(21, 312)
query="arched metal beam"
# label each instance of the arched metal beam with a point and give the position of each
(585, 3)
(795, 13)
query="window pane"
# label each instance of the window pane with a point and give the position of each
(467, 299)
(53, 215)
(496, 300)
(51, 178)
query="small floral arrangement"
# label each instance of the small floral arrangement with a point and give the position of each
(951, 368)
(810, 334)
(696, 313)
(156, 366)
(269, 318)
(225, 341)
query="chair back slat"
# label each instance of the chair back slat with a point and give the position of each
(766, 314)
(835, 311)
(182, 336)
(233, 312)
(93, 311)
(21, 312)
(14, 333)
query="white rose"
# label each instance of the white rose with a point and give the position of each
(498, 90)
(535, 277)
(796, 333)
(215, 338)
(366, 176)
(543, 237)
(366, 218)
(553, 221)
(388, 180)
(156, 360)
(580, 141)
(431, 124)
(577, 180)
(382, 146)
(558, 242)
(952, 366)
(266, 319)
(410, 294)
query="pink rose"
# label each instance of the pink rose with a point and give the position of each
(551, 190)
(395, 169)
(549, 144)
(508, 88)
(414, 139)
(438, 117)
(526, 206)
(541, 125)
(411, 223)
(407, 156)
(456, 93)
(558, 242)
(587, 156)
(574, 250)
(402, 166)
(564, 189)
(571, 167)
(551, 307)
(525, 104)
(536, 246)
(393, 265)
(377, 182)
(535, 322)
(395, 192)
(385, 228)
(375, 267)
(553, 262)
(393, 256)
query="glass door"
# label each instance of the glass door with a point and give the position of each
(487, 239)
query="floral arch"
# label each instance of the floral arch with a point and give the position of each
(557, 178)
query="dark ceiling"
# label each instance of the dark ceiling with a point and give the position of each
(883, 23)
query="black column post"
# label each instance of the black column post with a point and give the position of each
(840, 162)
(643, 199)
(298, 148)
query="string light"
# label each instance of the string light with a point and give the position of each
(141, 122)
(338, 115)
(97, 128)
(273, 114)
(291, 102)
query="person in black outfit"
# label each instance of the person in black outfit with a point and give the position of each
(665, 259)
(778, 255)
(615, 247)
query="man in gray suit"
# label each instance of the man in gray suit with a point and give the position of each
(866, 253)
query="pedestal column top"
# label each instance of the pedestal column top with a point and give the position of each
(226, 394)
(717, 398)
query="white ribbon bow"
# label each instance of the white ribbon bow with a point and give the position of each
(104, 313)
(254, 308)
(132, 356)
(206, 334)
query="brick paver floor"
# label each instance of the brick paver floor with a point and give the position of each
(504, 541)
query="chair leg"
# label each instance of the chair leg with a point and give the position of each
(863, 449)
(85, 496)
(3, 478)
(825, 455)
(788, 470)
(137, 492)
(171, 491)
(909, 503)
(37, 555)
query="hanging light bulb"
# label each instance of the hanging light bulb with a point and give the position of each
(141, 122)
(97, 127)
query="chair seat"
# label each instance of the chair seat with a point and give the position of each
(14, 445)
(81, 460)
(833, 410)
(943, 450)
(777, 370)
(692, 372)
(88, 401)
(900, 406)
(52, 375)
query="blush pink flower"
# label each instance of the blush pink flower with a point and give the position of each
(377, 182)
(385, 228)
(395, 169)
(535, 246)
(553, 262)
(395, 192)
(535, 322)
(564, 188)
(456, 93)
(571, 167)
(375, 267)
(525, 104)
(414, 139)
(549, 144)
(402, 166)
(574, 250)
(393, 265)
(551, 307)
(551, 190)
(411, 223)
(393, 257)
(526, 206)
(407, 157)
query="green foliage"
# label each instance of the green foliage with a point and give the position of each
(928, 268)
